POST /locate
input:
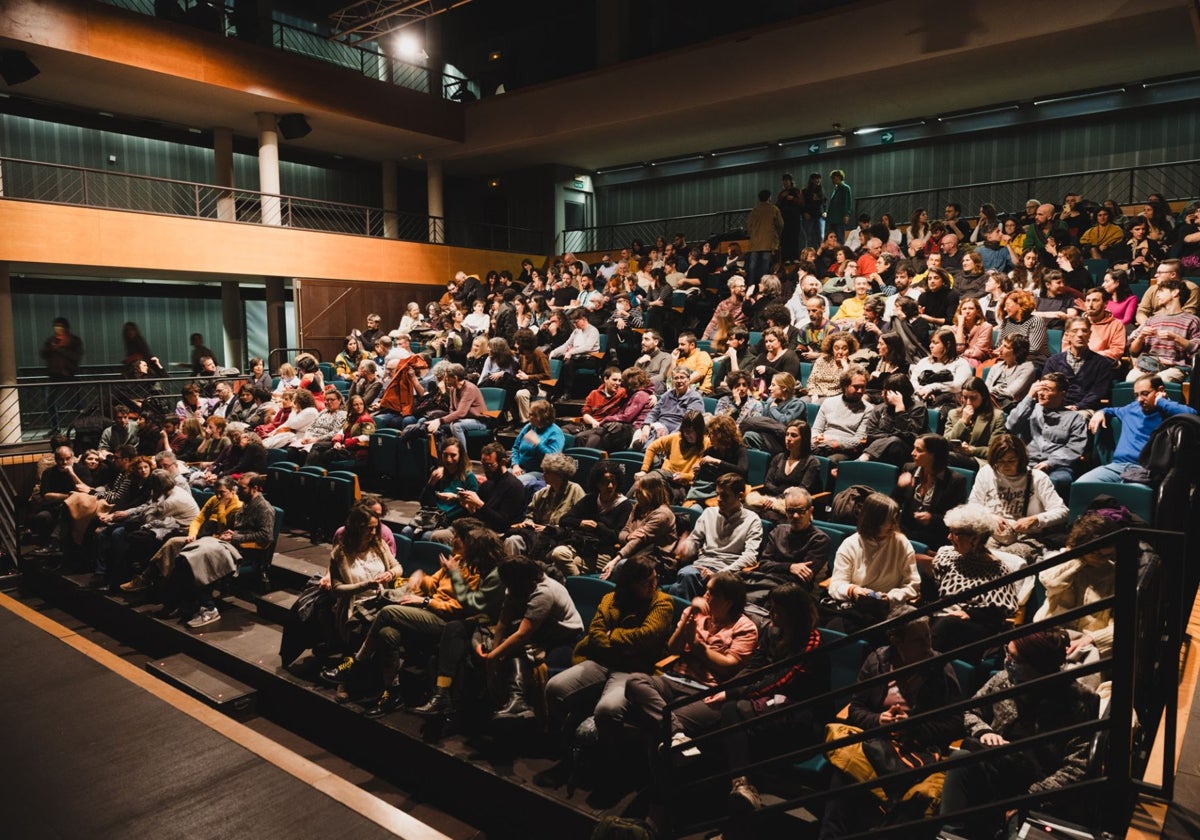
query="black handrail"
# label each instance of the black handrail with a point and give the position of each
(1120, 775)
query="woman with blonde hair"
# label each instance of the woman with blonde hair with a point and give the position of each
(782, 406)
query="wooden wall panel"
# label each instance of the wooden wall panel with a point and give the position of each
(82, 240)
(327, 310)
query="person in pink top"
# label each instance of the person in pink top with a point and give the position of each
(1122, 302)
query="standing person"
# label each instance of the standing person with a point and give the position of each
(765, 225)
(813, 210)
(63, 352)
(840, 209)
(790, 202)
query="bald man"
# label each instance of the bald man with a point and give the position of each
(1045, 237)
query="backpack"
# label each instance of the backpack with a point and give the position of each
(848, 503)
(1174, 444)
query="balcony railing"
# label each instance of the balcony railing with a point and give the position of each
(1125, 185)
(224, 19)
(55, 183)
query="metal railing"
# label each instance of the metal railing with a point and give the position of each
(224, 19)
(1143, 668)
(56, 183)
(1125, 185)
(10, 532)
(35, 410)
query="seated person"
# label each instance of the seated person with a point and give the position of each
(837, 431)
(244, 454)
(966, 563)
(650, 528)
(713, 640)
(726, 539)
(724, 453)
(591, 525)
(667, 413)
(468, 411)
(328, 423)
(1082, 581)
(680, 452)
(796, 466)
(601, 403)
(697, 362)
(1167, 342)
(500, 501)
(1011, 377)
(537, 615)
(1055, 436)
(790, 631)
(208, 559)
(874, 569)
(538, 438)
(539, 532)
(303, 415)
(49, 497)
(739, 404)
(1089, 374)
(615, 431)
(1030, 512)
(136, 533)
(973, 425)
(217, 515)
(886, 702)
(794, 552)
(465, 587)
(350, 443)
(928, 491)
(441, 492)
(627, 635)
(782, 406)
(891, 427)
(1139, 419)
(1042, 768)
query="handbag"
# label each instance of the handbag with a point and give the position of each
(429, 519)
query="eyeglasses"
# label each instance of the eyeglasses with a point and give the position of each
(795, 511)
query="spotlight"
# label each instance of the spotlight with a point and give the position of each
(294, 126)
(16, 67)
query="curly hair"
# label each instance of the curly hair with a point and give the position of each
(834, 337)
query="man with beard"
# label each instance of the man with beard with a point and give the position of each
(1139, 419)
(837, 431)
(500, 502)
(655, 361)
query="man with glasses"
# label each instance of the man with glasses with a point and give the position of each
(796, 552)
(1056, 437)
(1166, 344)
(1139, 419)
(1152, 304)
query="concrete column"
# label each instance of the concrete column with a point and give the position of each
(437, 207)
(223, 173)
(391, 222)
(233, 317)
(276, 318)
(10, 400)
(268, 168)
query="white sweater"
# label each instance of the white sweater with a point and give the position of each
(882, 565)
(1044, 502)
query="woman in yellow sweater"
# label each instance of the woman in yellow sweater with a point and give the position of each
(681, 452)
(216, 516)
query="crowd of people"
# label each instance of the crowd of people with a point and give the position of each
(926, 347)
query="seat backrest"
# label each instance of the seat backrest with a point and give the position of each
(493, 398)
(874, 474)
(424, 555)
(555, 368)
(811, 410)
(692, 514)
(1139, 498)
(844, 662)
(968, 476)
(710, 405)
(586, 593)
(757, 462)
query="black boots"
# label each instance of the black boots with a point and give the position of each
(518, 676)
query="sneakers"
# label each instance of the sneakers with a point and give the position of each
(743, 796)
(206, 615)
(336, 674)
(679, 739)
(387, 703)
(140, 583)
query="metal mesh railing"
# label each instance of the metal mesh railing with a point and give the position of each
(1128, 185)
(58, 184)
(223, 19)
